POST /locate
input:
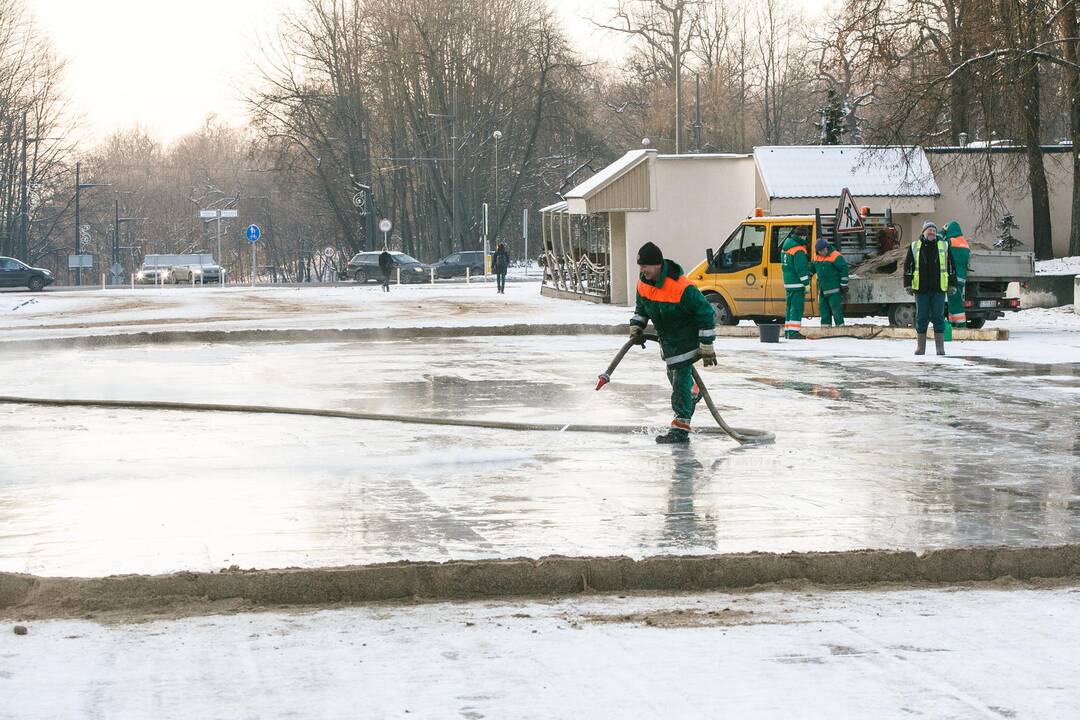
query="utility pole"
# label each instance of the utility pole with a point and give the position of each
(24, 209)
(697, 114)
(79, 187)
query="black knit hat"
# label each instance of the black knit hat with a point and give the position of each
(649, 254)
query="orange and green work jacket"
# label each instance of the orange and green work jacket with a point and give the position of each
(958, 248)
(683, 318)
(795, 264)
(832, 272)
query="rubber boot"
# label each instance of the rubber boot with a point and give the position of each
(920, 347)
(674, 437)
(939, 343)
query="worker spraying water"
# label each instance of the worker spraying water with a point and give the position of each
(685, 323)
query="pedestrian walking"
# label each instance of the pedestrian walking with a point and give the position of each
(500, 264)
(961, 257)
(929, 275)
(386, 264)
(686, 326)
(832, 280)
(795, 264)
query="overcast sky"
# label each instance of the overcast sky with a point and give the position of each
(166, 64)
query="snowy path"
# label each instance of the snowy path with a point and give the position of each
(978, 653)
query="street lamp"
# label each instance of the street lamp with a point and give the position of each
(79, 186)
(498, 136)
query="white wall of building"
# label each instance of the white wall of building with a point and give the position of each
(697, 201)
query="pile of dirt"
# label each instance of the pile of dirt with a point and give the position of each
(26, 596)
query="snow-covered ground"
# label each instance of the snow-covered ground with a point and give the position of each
(1058, 266)
(798, 653)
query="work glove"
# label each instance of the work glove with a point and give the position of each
(637, 334)
(909, 290)
(843, 292)
(708, 354)
(952, 289)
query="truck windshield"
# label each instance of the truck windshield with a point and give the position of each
(744, 248)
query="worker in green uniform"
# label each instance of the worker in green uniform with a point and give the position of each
(795, 263)
(832, 280)
(961, 257)
(686, 326)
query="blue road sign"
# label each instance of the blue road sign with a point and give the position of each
(253, 233)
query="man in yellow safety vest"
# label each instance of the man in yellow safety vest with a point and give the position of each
(929, 274)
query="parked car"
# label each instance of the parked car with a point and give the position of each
(455, 264)
(179, 269)
(15, 273)
(364, 267)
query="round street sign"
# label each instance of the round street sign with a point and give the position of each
(385, 225)
(329, 253)
(253, 233)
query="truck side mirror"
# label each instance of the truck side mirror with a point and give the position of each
(710, 257)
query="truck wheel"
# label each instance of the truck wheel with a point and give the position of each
(361, 277)
(976, 323)
(722, 311)
(902, 315)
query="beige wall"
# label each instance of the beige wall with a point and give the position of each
(697, 201)
(957, 177)
(617, 258)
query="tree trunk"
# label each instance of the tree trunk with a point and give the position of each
(1029, 112)
(1069, 29)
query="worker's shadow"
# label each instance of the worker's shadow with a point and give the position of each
(685, 526)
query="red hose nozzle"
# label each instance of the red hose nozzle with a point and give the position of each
(603, 380)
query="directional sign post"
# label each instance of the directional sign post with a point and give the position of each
(386, 226)
(253, 233)
(218, 214)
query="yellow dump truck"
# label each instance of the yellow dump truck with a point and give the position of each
(743, 279)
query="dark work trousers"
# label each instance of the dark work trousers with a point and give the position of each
(501, 280)
(386, 282)
(930, 308)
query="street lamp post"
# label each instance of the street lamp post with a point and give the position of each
(79, 187)
(117, 220)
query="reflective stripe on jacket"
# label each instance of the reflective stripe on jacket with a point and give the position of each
(795, 263)
(683, 318)
(832, 272)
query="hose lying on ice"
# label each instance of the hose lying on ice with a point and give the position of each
(740, 435)
(318, 412)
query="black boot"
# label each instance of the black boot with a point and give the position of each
(939, 342)
(674, 437)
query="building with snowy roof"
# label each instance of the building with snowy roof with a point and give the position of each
(689, 203)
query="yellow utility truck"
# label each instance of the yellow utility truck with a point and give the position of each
(743, 280)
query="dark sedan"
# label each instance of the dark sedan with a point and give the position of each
(365, 266)
(15, 273)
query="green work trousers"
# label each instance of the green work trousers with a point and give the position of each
(832, 308)
(683, 396)
(796, 300)
(957, 313)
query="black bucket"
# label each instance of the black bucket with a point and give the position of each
(769, 333)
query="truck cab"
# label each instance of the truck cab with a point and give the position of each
(742, 276)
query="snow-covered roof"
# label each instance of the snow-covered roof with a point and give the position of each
(612, 172)
(823, 171)
(559, 207)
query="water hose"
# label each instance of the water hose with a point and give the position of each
(739, 435)
(318, 412)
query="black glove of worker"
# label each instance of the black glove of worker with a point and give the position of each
(637, 334)
(952, 289)
(909, 290)
(843, 291)
(707, 354)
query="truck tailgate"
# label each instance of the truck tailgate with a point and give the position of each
(1004, 266)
